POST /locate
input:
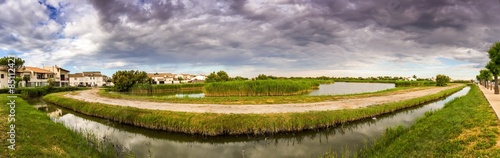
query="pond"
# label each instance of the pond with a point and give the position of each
(143, 142)
(338, 88)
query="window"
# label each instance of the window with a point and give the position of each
(75, 78)
(51, 75)
(1, 76)
(39, 76)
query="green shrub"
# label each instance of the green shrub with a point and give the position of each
(442, 80)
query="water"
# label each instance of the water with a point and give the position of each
(144, 142)
(342, 88)
(338, 88)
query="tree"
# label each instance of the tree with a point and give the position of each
(26, 79)
(261, 77)
(494, 69)
(124, 80)
(18, 61)
(442, 80)
(220, 76)
(17, 80)
(485, 76)
(51, 83)
(223, 76)
(239, 78)
(493, 65)
(180, 79)
(414, 76)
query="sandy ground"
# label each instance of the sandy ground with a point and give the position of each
(92, 96)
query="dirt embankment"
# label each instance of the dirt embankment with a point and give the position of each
(92, 96)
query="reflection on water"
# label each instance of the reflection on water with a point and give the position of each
(341, 88)
(144, 142)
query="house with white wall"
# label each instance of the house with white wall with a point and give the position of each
(61, 76)
(163, 78)
(4, 75)
(89, 78)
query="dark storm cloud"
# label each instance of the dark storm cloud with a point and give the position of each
(303, 34)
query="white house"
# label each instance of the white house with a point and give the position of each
(90, 78)
(198, 78)
(4, 75)
(162, 78)
(37, 76)
(61, 76)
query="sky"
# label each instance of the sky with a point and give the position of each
(356, 38)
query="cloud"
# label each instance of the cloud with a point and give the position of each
(291, 36)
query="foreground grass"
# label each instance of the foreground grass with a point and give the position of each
(212, 124)
(259, 99)
(465, 127)
(38, 136)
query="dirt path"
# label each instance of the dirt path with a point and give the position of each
(92, 96)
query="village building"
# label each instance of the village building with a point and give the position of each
(90, 78)
(61, 76)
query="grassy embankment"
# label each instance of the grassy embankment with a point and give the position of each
(211, 124)
(465, 127)
(37, 136)
(32, 92)
(259, 88)
(257, 99)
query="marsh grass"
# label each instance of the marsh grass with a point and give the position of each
(38, 136)
(212, 124)
(465, 127)
(164, 88)
(259, 88)
(414, 83)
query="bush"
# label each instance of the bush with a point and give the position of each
(442, 80)
(124, 80)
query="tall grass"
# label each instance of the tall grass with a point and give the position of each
(414, 83)
(212, 124)
(465, 127)
(259, 88)
(40, 91)
(366, 81)
(163, 88)
(38, 136)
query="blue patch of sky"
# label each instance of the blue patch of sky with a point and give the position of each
(451, 62)
(4, 52)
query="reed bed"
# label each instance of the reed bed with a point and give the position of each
(414, 83)
(212, 124)
(163, 88)
(259, 88)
